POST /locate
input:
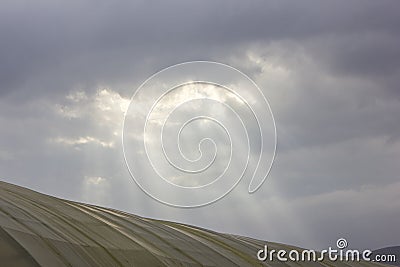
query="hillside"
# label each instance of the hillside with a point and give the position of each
(40, 230)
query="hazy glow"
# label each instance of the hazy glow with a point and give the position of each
(81, 141)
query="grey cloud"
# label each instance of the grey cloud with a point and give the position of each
(330, 71)
(90, 41)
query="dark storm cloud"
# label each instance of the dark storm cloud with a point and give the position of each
(369, 54)
(330, 70)
(48, 44)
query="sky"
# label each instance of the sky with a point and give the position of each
(330, 71)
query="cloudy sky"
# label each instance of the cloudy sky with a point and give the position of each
(330, 70)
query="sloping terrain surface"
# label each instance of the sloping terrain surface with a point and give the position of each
(40, 230)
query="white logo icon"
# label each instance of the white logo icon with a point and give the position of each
(194, 130)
